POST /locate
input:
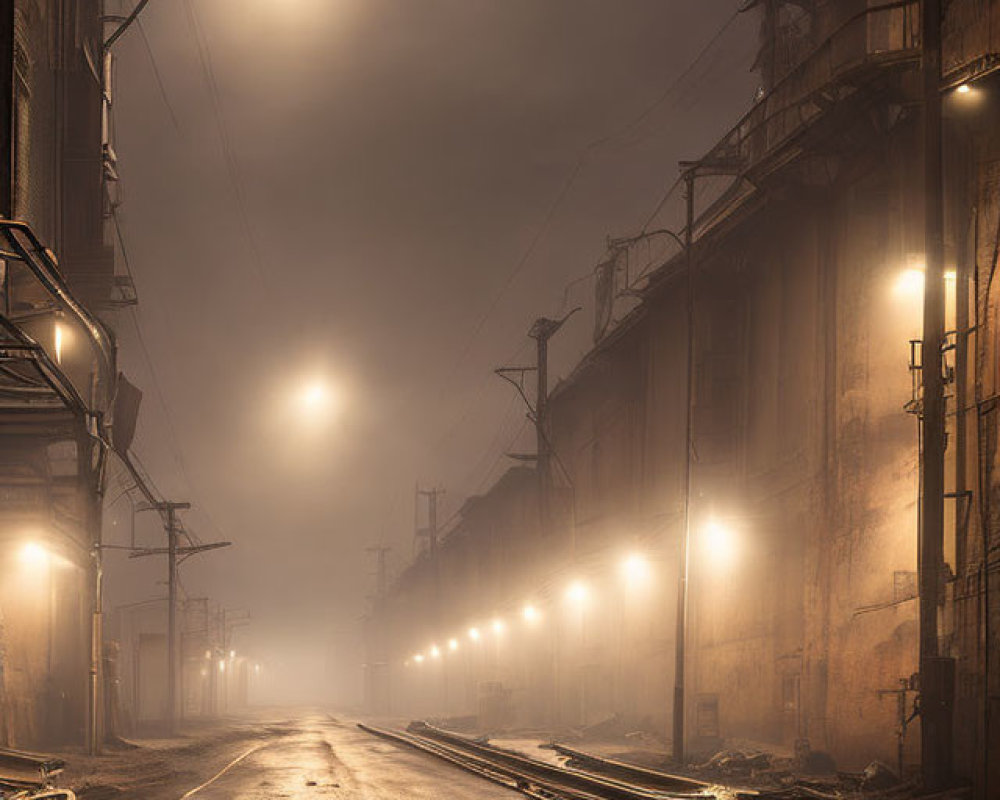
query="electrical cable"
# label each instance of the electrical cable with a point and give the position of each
(233, 169)
(568, 184)
(157, 76)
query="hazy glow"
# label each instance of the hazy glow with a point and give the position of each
(498, 626)
(59, 342)
(232, 654)
(474, 634)
(222, 665)
(576, 593)
(719, 542)
(964, 89)
(435, 652)
(909, 283)
(453, 644)
(208, 655)
(530, 613)
(314, 396)
(419, 658)
(33, 556)
(635, 570)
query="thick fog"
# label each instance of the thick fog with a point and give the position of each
(341, 216)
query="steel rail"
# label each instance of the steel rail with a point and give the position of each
(527, 775)
(631, 772)
(463, 761)
(608, 787)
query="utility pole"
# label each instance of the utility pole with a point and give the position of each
(175, 553)
(541, 331)
(936, 673)
(171, 512)
(680, 650)
(381, 570)
(431, 531)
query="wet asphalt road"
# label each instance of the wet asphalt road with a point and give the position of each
(326, 758)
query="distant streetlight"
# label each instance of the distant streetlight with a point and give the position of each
(719, 542)
(474, 634)
(453, 645)
(435, 652)
(635, 570)
(576, 593)
(498, 626)
(530, 613)
(419, 658)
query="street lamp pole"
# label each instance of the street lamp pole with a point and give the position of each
(684, 556)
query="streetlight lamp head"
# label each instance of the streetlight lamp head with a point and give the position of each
(419, 658)
(498, 626)
(474, 634)
(435, 652)
(453, 645)
(530, 613)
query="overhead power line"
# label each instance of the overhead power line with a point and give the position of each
(570, 180)
(233, 169)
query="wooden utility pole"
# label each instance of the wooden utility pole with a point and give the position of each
(174, 553)
(936, 673)
(171, 512)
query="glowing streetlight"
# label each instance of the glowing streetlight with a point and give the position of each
(474, 634)
(530, 613)
(435, 652)
(222, 665)
(61, 339)
(719, 542)
(498, 626)
(419, 658)
(635, 570)
(964, 89)
(453, 645)
(576, 593)
(33, 556)
(232, 654)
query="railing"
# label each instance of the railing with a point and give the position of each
(53, 351)
(879, 35)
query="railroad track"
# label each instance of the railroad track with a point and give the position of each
(538, 779)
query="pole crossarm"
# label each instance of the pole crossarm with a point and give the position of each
(141, 552)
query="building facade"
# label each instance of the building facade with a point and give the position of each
(803, 479)
(57, 369)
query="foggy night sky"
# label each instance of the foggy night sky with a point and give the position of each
(397, 158)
